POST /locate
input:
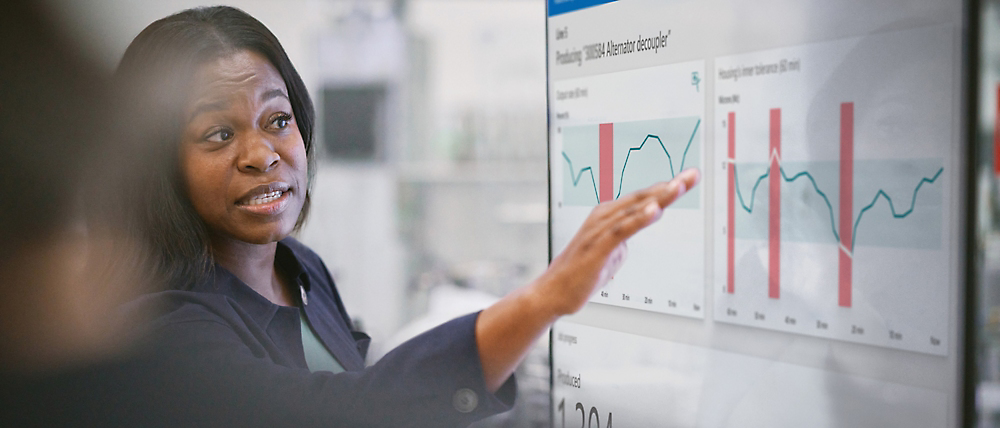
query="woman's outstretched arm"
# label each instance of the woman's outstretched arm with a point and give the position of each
(506, 331)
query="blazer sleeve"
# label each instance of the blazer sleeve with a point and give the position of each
(210, 377)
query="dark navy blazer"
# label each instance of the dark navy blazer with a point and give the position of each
(243, 354)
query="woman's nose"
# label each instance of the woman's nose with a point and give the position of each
(258, 156)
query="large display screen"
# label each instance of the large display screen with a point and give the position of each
(815, 276)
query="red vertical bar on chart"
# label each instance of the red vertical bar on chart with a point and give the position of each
(731, 223)
(846, 201)
(607, 162)
(774, 209)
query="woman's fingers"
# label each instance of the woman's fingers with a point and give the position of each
(631, 213)
(668, 192)
(681, 184)
(598, 249)
(633, 218)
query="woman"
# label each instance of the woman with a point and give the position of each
(255, 307)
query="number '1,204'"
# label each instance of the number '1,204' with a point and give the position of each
(590, 419)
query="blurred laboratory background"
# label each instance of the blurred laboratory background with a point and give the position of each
(429, 197)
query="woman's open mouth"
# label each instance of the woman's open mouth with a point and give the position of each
(268, 199)
(265, 198)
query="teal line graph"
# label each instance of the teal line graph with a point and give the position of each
(647, 169)
(833, 228)
(670, 160)
(576, 179)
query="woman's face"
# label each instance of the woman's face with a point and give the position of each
(241, 155)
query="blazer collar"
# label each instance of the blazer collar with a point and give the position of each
(224, 282)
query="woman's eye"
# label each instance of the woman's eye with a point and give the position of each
(280, 121)
(220, 136)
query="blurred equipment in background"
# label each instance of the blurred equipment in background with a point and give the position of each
(351, 122)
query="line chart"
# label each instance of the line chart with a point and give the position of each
(652, 171)
(833, 224)
(670, 159)
(834, 208)
(623, 136)
(845, 238)
(835, 204)
(576, 178)
(826, 223)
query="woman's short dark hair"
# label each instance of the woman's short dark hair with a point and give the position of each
(158, 68)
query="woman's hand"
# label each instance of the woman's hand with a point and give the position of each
(598, 249)
(506, 330)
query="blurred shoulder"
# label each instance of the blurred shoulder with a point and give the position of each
(179, 306)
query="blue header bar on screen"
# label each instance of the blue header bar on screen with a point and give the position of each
(557, 7)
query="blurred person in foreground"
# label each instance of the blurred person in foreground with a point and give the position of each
(247, 297)
(66, 147)
(67, 262)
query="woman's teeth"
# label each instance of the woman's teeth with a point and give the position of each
(265, 198)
